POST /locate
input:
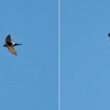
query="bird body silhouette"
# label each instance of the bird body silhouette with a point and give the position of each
(10, 45)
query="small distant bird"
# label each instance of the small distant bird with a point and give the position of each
(109, 34)
(10, 45)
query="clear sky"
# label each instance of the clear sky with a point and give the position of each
(29, 80)
(85, 55)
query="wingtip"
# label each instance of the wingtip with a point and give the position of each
(15, 54)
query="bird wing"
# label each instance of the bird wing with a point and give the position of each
(12, 50)
(8, 39)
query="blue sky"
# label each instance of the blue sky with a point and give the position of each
(85, 55)
(29, 80)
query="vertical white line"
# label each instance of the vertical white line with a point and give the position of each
(58, 54)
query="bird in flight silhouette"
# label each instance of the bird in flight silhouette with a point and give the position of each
(10, 45)
(109, 34)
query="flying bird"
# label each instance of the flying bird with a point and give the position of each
(10, 45)
(108, 34)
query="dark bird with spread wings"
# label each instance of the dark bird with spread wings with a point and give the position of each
(10, 45)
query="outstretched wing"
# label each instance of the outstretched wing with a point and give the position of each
(12, 50)
(8, 40)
